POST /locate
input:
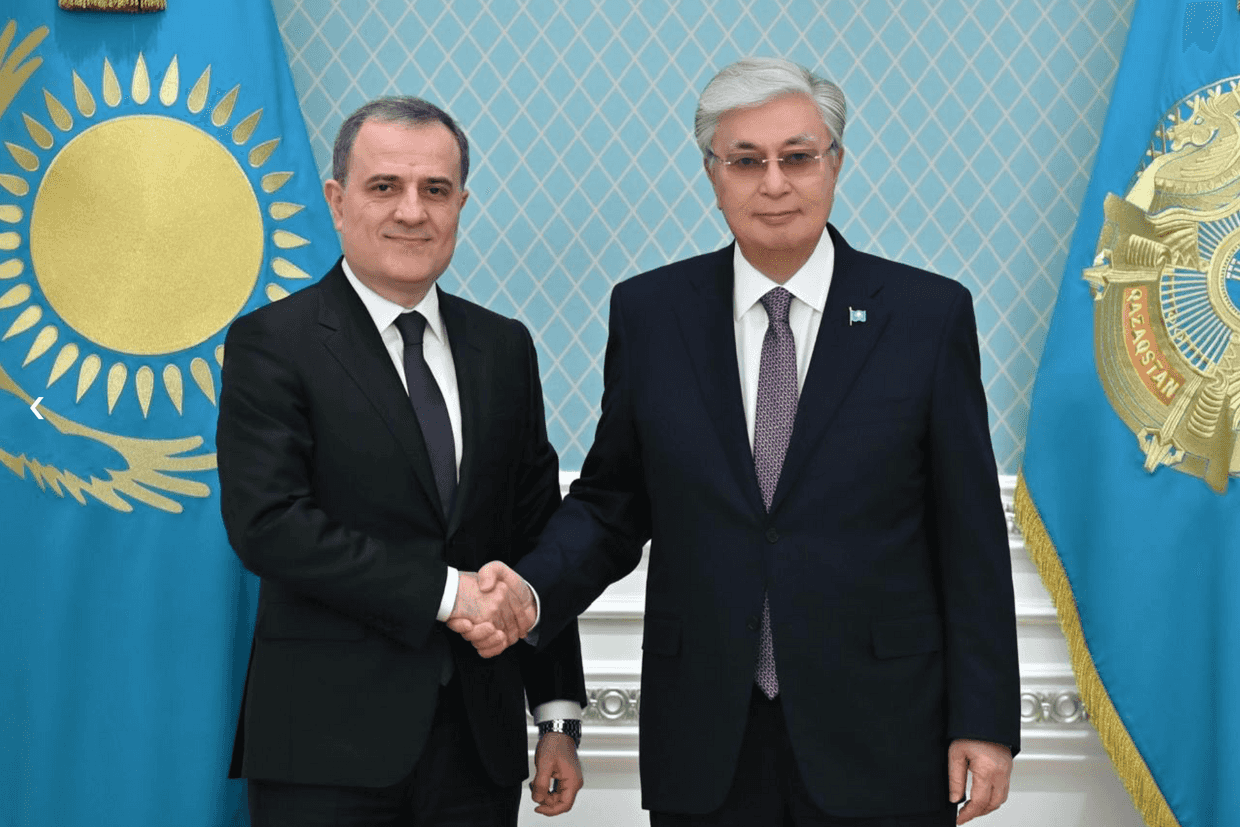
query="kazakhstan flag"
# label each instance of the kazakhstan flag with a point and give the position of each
(155, 183)
(1129, 499)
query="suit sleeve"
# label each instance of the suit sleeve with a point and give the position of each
(970, 536)
(266, 447)
(596, 536)
(552, 672)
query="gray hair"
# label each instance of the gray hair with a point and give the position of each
(406, 110)
(753, 81)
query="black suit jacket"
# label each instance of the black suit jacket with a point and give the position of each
(885, 551)
(328, 495)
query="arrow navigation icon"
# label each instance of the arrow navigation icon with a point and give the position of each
(34, 407)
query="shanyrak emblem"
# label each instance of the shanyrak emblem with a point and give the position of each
(129, 240)
(1166, 285)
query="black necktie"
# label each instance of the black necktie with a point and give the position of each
(429, 407)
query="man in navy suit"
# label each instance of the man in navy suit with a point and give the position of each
(379, 439)
(800, 430)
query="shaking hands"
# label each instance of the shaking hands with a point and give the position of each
(494, 608)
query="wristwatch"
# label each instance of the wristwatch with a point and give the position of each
(569, 726)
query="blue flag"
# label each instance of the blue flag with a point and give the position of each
(1128, 496)
(155, 183)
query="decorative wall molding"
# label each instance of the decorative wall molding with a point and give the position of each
(612, 705)
(1052, 708)
(618, 706)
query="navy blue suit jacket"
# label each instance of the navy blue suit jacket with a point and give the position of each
(327, 493)
(885, 551)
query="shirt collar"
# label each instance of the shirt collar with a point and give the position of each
(384, 311)
(809, 284)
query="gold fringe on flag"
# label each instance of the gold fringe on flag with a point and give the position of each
(129, 6)
(1129, 764)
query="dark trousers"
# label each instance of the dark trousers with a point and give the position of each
(768, 789)
(448, 787)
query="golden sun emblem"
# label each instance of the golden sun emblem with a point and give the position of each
(145, 238)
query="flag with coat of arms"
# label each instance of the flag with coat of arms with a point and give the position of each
(1128, 496)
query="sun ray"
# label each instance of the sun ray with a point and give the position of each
(224, 109)
(118, 374)
(245, 130)
(18, 294)
(64, 360)
(57, 112)
(10, 241)
(42, 344)
(286, 269)
(272, 181)
(111, 86)
(144, 385)
(280, 210)
(140, 87)
(288, 241)
(87, 374)
(10, 213)
(82, 97)
(219, 355)
(174, 384)
(25, 159)
(25, 320)
(201, 371)
(171, 86)
(261, 153)
(16, 186)
(38, 132)
(12, 268)
(275, 292)
(198, 95)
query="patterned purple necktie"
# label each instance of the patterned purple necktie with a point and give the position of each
(776, 410)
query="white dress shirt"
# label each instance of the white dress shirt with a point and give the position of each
(438, 354)
(808, 287)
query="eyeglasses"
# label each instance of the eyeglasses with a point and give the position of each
(793, 164)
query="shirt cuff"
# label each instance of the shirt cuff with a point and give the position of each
(448, 601)
(553, 710)
(537, 605)
(531, 637)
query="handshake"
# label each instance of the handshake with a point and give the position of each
(494, 608)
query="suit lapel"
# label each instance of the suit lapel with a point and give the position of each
(709, 333)
(349, 334)
(472, 380)
(839, 355)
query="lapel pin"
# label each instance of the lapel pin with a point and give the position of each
(855, 316)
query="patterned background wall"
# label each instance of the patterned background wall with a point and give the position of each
(970, 139)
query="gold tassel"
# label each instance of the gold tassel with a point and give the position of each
(128, 6)
(1129, 764)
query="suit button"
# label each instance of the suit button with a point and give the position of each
(753, 624)
(772, 536)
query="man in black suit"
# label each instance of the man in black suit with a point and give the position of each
(800, 430)
(378, 440)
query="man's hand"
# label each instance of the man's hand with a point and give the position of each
(556, 757)
(493, 609)
(991, 766)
